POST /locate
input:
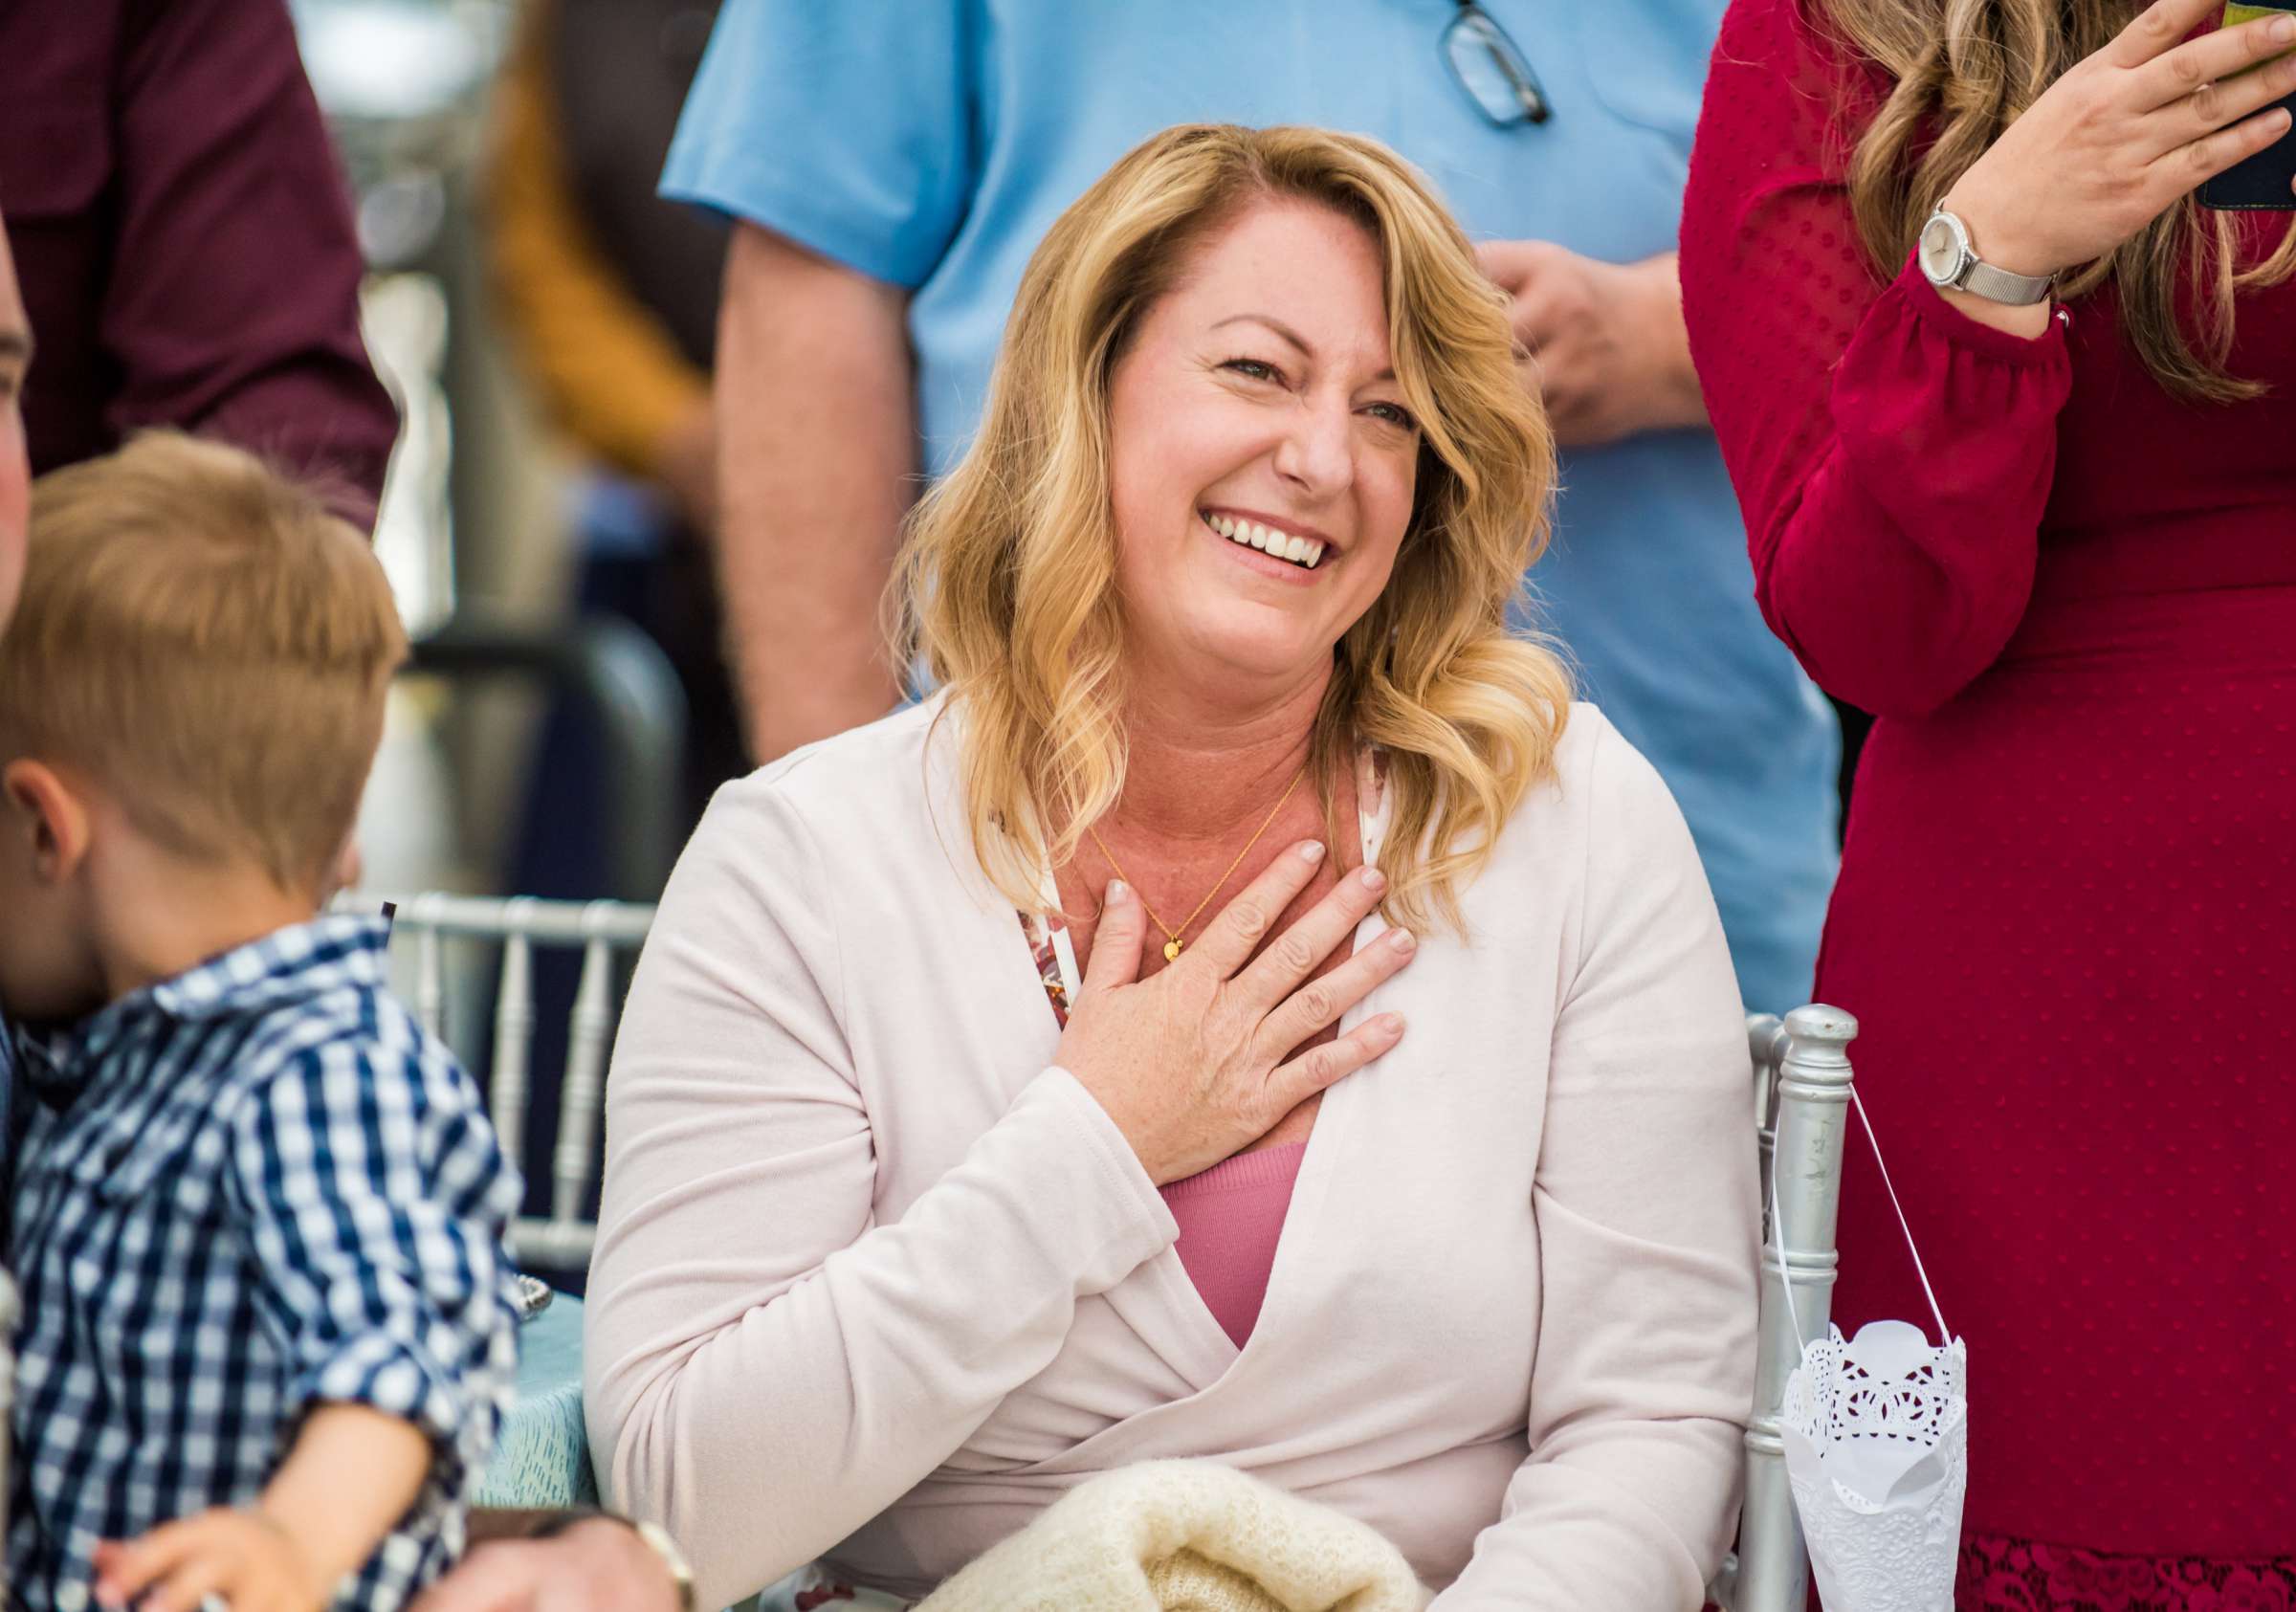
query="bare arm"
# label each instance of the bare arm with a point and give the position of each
(352, 1475)
(817, 465)
(1676, 402)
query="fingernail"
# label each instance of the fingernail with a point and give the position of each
(2282, 28)
(1402, 940)
(1117, 891)
(1392, 1022)
(1373, 879)
(1311, 852)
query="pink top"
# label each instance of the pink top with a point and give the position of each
(1230, 1218)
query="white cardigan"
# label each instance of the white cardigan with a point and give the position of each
(876, 1283)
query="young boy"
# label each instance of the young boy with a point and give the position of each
(258, 1213)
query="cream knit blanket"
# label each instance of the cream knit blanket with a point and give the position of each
(1184, 1537)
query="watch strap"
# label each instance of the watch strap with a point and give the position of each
(1999, 285)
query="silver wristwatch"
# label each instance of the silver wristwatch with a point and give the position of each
(1949, 261)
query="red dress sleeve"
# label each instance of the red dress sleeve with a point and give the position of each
(1892, 455)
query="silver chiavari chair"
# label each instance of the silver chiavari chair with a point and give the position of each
(1801, 1079)
(606, 933)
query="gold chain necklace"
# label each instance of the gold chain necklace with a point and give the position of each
(1171, 934)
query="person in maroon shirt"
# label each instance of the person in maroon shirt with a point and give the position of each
(2053, 547)
(182, 238)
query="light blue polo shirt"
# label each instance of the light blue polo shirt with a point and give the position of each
(931, 142)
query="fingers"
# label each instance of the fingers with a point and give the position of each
(1321, 1002)
(1277, 972)
(2158, 29)
(1513, 265)
(2210, 75)
(2206, 158)
(183, 1589)
(2212, 109)
(123, 1569)
(1536, 319)
(1244, 921)
(2218, 104)
(488, 1580)
(178, 1566)
(1115, 959)
(1321, 1067)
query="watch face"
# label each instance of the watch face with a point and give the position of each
(1941, 251)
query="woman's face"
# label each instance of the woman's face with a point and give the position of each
(1257, 401)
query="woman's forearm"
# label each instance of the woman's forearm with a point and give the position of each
(760, 1434)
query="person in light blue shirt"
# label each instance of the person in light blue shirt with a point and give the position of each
(893, 164)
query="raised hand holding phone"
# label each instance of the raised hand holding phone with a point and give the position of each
(2266, 180)
(2124, 135)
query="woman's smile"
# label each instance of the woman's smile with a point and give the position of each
(1301, 545)
(1267, 550)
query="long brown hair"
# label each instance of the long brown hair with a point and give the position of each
(1962, 72)
(1008, 581)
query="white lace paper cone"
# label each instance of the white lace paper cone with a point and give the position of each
(1876, 1430)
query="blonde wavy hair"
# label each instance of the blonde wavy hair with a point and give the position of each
(1962, 72)
(1006, 582)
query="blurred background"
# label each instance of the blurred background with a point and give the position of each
(545, 324)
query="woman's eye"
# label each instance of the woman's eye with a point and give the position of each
(1394, 414)
(1252, 369)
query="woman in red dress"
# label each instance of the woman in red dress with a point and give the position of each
(2047, 534)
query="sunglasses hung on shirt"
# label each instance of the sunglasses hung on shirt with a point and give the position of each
(1491, 70)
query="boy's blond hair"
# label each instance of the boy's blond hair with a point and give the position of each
(208, 641)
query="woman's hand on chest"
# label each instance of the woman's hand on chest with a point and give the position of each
(1199, 1061)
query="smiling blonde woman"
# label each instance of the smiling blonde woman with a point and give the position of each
(1250, 1013)
(1010, 582)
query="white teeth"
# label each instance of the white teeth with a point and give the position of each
(1304, 552)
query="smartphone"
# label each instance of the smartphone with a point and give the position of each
(2267, 180)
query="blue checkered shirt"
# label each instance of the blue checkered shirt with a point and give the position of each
(241, 1192)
